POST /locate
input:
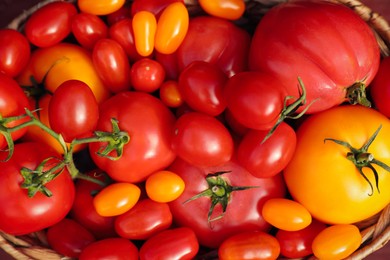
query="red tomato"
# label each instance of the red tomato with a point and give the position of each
(289, 43)
(112, 64)
(144, 220)
(73, 110)
(202, 140)
(170, 64)
(68, 237)
(380, 88)
(153, 6)
(14, 52)
(176, 243)
(24, 214)
(50, 24)
(243, 211)
(110, 248)
(201, 84)
(144, 117)
(118, 15)
(147, 75)
(101, 7)
(88, 29)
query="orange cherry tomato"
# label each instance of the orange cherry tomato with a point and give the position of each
(116, 199)
(164, 186)
(227, 9)
(337, 242)
(144, 28)
(172, 27)
(286, 214)
(170, 94)
(100, 7)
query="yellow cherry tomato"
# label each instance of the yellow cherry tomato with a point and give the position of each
(227, 9)
(170, 94)
(116, 199)
(164, 186)
(100, 7)
(286, 214)
(337, 241)
(144, 28)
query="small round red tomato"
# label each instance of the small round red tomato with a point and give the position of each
(110, 248)
(101, 7)
(250, 245)
(175, 243)
(88, 29)
(50, 24)
(380, 88)
(201, 85)
(164, 186)
(73, 110)
(14, 52)
(202, 140)
(68, 237)
(147, 75)
(144, 220)
(169, 94)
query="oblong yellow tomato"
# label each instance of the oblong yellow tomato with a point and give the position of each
(227, 9)
(336, 242)
(323, 176)
(144, 27)
(100, 7)
(164, 186)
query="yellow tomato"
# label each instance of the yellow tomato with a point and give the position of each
(164, 186)
(100, 7)
(144, 28)
(227, 9)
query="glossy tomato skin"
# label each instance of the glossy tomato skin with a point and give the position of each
(144, 117)
(175, 243)
(147, 75)
(380, 88)
(50, 24)
(110, 248)
(24, 214)
(288, 43)
(243, 212)
(103, 7)
(320, 166)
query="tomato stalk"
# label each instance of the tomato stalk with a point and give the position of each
(356, 94)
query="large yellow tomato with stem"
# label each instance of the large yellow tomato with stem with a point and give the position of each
(340, 170)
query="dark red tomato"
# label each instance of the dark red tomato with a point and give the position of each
(50, 24)
(88, 29)
(22, 214)
(118, 15)
(243, 210)
(170, 64)
(250, 245)
(68, 237)
(112, 65)
(201, 85)
(144, 220)
(380, 88)
(143, 117)
(202, 140)
(14, 52)
(297, 244)
(255, 99)
(289, 43)
(110, 248)
(153, 6)
(73, 110)
(147, 75)
(175, 243)
(266, 159)
(227, 44)
(234, 126)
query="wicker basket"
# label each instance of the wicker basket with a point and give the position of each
(375, 231)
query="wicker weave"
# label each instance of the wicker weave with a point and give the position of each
(375, 231)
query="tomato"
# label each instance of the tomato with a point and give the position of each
(297, 244)
(380, 88)
(324, 172)
(68, 237)
(143, 117)
(202, 140)
(201, 84)
(169, 94)
(102, 7)
(147, 75)
(144, 220)
(337, 242)
(289, 43)
(243, 207)
(25, 214)
(164, 186)
(228, 9)
(110, 248)
(116, 198)
(170, 64)
(118, 15)
(112, 65)
(88, 29)
(13, 57)
(144, 28)
(286, 214)
(73, 110)
(267, 158)
(249, 245)
(153, 6)
(50, 24)
(176, 243)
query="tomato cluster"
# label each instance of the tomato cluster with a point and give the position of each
(142, 129)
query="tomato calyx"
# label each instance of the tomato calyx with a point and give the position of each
(219, 191)
(361, 158)
(356, 94)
